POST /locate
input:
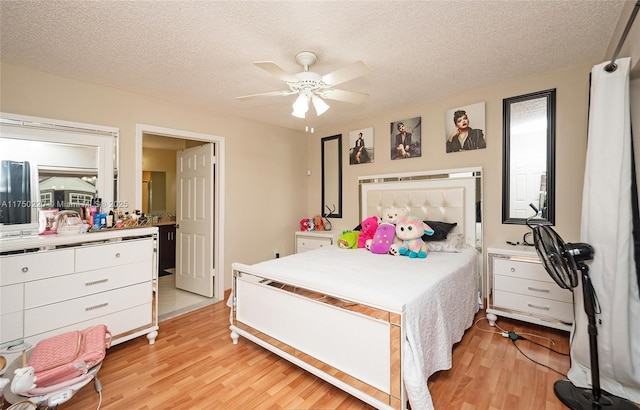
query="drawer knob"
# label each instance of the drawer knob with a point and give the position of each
(118, 255)
(531, 305)
(87, 309)
(25, 269)
(96, 282)
(538, 289)
(513, 269)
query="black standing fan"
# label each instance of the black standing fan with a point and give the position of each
(562, 262)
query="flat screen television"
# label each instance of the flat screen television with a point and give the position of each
(19, 198)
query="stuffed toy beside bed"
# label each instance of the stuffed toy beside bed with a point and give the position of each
(348, 240)
(367, 232)
(410, 229)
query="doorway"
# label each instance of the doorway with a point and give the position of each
(173, 301)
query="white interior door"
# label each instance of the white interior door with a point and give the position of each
(195, 219)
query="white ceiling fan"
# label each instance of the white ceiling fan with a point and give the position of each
(312, 86)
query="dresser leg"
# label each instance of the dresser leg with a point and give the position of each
(492, 319)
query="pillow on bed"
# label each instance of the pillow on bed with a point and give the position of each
(440, 230)
(453, 243)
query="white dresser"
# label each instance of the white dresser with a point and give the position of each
(53, 284)
(308, 240)
(520, 288)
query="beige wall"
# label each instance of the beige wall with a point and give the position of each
(268, 190)
(572, 88)
(265, 175)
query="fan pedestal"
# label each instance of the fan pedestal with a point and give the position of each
(577, 398)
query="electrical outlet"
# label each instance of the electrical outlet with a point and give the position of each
(276, 253)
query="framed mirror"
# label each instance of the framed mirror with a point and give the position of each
(528, 162)
(332, 176)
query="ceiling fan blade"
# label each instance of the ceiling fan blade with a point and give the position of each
(346, 96)
(273, 69)
(355, 70)
(270, 94)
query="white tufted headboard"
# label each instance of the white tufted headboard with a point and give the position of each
(437, 199)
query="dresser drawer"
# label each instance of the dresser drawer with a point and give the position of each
(50, 317)
(11, 298)
(77, 285)
(117, 323)
(539, 307)
(533, 288)
(35, 266)
(114, 254)
(521, 269)
(11, 325)
(11, 305)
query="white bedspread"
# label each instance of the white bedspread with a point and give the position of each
(438, 295)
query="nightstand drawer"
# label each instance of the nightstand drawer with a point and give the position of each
(307, 241)
(521, 269)
(548, 308)
(312, 243)
(533, 288)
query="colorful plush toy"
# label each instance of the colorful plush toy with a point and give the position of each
(367, 232)
(383, 238)
(410, 229)
(348, 240)
(306, 224)
(318, 223)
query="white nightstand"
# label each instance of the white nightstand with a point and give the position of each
(520, 288)
(309, 240)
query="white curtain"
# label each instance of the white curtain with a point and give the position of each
(607, 225)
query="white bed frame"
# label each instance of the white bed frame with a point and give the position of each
(364, 354)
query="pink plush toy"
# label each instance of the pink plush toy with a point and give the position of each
(368, 230)
(383, 239)
(410, 229)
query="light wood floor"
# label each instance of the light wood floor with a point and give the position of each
(194, 365)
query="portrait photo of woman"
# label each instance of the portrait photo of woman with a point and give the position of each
(361, 146)
(406, 138)
(461, 136)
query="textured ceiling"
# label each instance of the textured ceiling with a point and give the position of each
(200, 53)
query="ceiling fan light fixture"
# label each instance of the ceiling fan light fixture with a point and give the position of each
(300, 106)
(319, 104)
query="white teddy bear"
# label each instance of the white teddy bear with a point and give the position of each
(392, 215)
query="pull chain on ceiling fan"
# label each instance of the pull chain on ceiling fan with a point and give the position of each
(311, 86)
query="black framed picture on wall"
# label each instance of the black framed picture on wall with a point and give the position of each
(361, 146)
(464, 128)
(406, 138)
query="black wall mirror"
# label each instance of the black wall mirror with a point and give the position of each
(332, 176)
(528, 162)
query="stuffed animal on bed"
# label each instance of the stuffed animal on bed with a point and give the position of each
(392, 215)
(383, 238)
(410, 229)
(367, 232)
(348, 240)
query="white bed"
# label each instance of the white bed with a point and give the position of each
(376, 326)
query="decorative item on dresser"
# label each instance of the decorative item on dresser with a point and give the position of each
(309, 240)
(520, 288)
(53, 284)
